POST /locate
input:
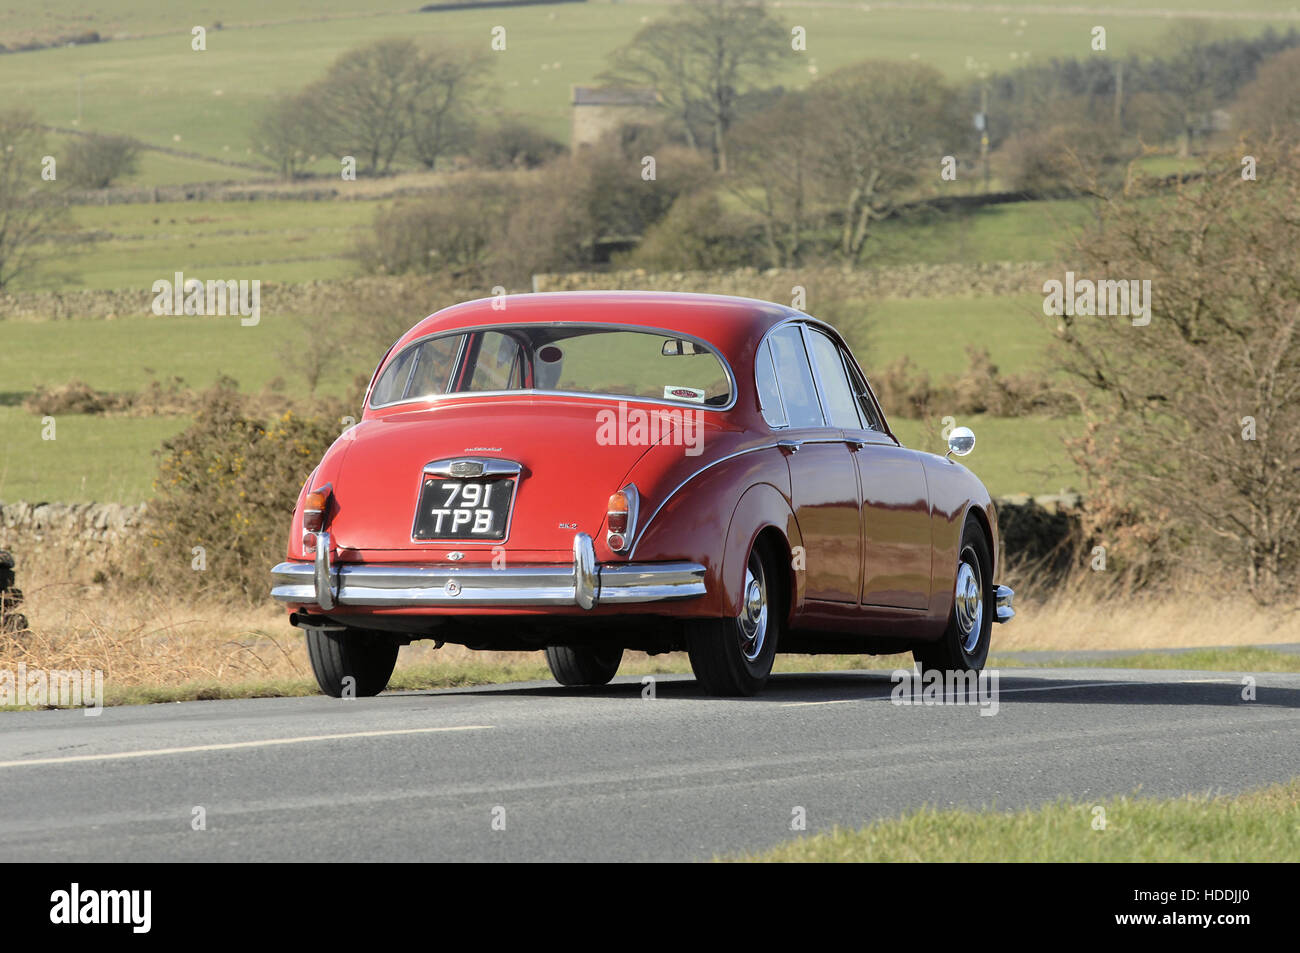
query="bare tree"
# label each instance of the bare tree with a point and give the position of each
(30, 210)
(882, 129)
(701, 60)
(1193, 440)
(287, 133)
(440, 110)
(1270, 104)
(776, 154)
(366, 101)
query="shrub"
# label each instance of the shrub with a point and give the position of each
(514, 145)
(95, 161)
(228, 484)
(697, 234)
(452, 233)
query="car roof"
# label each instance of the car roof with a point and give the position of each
(728, 323)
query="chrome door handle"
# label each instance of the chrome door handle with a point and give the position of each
(789, 446)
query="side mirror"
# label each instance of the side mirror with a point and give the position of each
(961, 441)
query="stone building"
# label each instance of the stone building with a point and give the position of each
(598, 110)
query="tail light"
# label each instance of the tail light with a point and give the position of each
(313, 508)
(620, 518)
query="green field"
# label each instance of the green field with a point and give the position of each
(285, 241)
(158, 89)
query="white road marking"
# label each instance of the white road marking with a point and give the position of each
(839, 701)
(234, 745)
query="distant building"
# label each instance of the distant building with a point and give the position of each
(598, 110)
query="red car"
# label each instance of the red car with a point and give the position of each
(592, 472)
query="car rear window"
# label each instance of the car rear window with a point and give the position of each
(579, 359)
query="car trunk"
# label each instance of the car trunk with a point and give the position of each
(563, 486)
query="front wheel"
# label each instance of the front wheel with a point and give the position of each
(964, 646)
(734, 656)
(351, 663)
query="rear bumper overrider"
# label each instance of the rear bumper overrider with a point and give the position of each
(584, 582)
(1004, 596)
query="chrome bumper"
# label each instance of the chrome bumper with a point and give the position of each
(583, 583)
(1004, 596)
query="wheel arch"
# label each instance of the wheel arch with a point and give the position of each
(762, 514)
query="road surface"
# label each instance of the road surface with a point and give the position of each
(535, 772)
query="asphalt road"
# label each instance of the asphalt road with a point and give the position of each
(607, 774)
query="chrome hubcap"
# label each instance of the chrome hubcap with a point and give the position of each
(970, 603)
(753, 614)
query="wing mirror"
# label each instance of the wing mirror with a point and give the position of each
(961, 441)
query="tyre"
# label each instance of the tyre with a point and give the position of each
(964, 646)
(734, 656)
(583, 664)
(350, 661)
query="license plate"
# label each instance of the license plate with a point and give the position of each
(464, 509)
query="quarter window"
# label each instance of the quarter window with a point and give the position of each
(769, 396)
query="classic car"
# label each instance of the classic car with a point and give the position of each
(590, 472)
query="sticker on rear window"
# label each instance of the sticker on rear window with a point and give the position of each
(684, 393)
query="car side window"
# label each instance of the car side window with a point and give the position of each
(498, 366)
(841, 403)
(794, 377)
(769, 395)
(392, 383)
(433, 367)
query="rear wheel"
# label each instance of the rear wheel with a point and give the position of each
(351, 662)
(964, 646)
(734, 656)
(583, 664)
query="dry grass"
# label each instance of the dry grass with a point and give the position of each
(1097, 610)
(151, 646)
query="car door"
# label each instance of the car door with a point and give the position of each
(897, 547)
(823, 476)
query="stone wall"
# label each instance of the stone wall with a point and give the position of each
(773, 284)
(89, 522)
(776, 284)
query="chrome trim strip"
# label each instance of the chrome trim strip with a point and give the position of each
(667, 332)
(492, 466)
(584, 583)
(322, 577)
(1005, 594)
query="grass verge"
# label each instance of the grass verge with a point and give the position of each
(1262, 825)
